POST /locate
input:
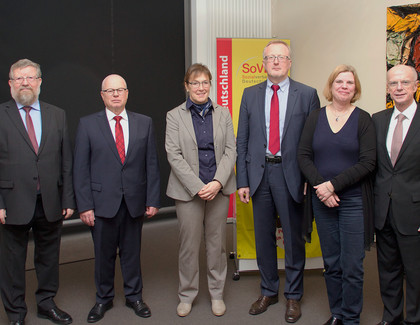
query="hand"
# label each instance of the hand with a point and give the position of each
(332, 201)
(151, 211)
(67, 213)
(324, 190)
(243, 194)
(210, 190)
(88, 217)
(3, 216)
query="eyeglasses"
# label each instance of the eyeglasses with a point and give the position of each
(196, 84)
(272, 58)
(404, 84)
(110, 91)
(29, 79)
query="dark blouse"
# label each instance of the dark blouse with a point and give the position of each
(202, 118)
(335, 152)
(361, 171)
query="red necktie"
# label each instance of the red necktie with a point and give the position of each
(396, 143)
(30, 128)
(119, 138)
(274, 140)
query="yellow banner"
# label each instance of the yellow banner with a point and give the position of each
(240, 65)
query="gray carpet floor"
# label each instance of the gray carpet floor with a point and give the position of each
(160, 278)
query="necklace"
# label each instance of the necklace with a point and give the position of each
(337, 116)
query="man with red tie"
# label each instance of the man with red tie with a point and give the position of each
(117, 182)
(36, 192)
(271, 119)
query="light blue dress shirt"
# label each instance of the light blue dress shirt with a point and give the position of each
(35, 113)
(282, 94)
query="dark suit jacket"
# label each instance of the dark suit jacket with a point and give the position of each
(401, 183)
(20, 166)
(252, 139)
(101, 180)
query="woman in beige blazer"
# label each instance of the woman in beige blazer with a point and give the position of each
(201, 150)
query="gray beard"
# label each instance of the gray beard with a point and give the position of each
(26, 99)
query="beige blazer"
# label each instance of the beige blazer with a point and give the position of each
(182, 152)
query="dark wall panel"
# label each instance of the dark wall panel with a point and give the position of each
(78, 43)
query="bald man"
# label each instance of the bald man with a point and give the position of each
(397, 193)
(117, 183)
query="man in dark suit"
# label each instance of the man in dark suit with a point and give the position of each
(397, 199)
(36, 192)
(271, 119)
(116, 181)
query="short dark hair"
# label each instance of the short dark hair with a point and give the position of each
(196, 68)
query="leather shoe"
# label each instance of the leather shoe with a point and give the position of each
(262, 304)
(98, 311)
(334, 321)
(293, 312)
(389, 323)
(183, 309)
(139, 307)
(17, 322)
(56, 315)
(218, 307)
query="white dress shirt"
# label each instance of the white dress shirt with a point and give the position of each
(124, 124)
(409, 114)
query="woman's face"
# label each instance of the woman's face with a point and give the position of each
(198, 88)
(343, 88)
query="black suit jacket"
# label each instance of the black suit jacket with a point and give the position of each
(101, 180)
(20, 166)
(399, 184)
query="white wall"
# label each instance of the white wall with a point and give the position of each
(325, 33)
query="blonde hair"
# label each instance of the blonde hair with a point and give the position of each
(339, 69)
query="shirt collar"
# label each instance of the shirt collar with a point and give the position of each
(190, 103)
(283, 85)
(408, 112)
(110, 115)
(34, 106)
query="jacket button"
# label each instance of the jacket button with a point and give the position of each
(262, 166)
(265, 146)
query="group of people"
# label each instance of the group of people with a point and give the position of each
(355, 175)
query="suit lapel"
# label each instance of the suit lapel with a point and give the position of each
(383, 133)
(133, 126)
(291, 101)
(107, 134)
(261, 106)
(216, 120)
(16, 119)
(186, 119)
(45, 122)
(412, 132)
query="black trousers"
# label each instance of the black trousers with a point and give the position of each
(13, 249)
(398, 255)
(120, 234)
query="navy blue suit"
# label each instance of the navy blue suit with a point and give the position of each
(118, 193)
(276, 189)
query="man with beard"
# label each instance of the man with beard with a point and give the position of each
(36, 192)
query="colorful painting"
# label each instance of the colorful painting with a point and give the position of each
(403, 41)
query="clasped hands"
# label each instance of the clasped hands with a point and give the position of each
(325, 193)
(210, 190)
